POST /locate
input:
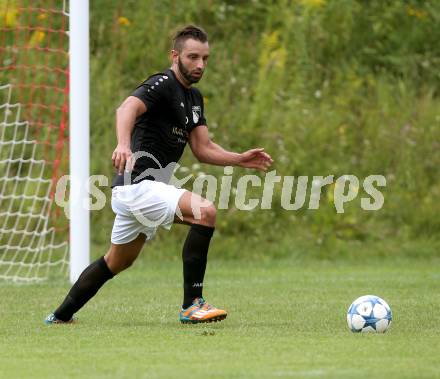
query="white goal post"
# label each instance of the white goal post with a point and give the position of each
(79, 137)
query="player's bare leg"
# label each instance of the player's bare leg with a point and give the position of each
(195, 209)
(117, 259)
(121, 257)
(200, 214)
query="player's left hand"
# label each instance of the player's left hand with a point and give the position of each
(256, 158)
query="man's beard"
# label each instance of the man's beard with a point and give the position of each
(187, 74)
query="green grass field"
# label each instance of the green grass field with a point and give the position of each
(287, 320)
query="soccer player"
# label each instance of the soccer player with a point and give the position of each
(154, 125)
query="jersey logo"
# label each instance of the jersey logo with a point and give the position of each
(197, 113)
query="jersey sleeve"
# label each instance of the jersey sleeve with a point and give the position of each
(151, 91)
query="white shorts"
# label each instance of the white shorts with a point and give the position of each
(142, 208)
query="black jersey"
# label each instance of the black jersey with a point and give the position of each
(160, 134)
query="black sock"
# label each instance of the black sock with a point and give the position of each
(87, 285)
(194, 256)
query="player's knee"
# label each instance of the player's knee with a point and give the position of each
(209, 215)
(120, 266)
(117, 263)
(126, 264)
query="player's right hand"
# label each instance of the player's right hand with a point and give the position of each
(121, 159)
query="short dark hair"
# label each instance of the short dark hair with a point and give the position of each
(189, 31)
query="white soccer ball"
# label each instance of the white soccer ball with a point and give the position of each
(369, 314)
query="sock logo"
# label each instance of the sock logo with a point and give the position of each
(197, 285)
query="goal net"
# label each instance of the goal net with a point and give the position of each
(34, 89)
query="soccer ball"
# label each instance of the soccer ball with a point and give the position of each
(369, 314)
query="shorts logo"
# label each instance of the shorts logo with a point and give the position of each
(197, 113)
